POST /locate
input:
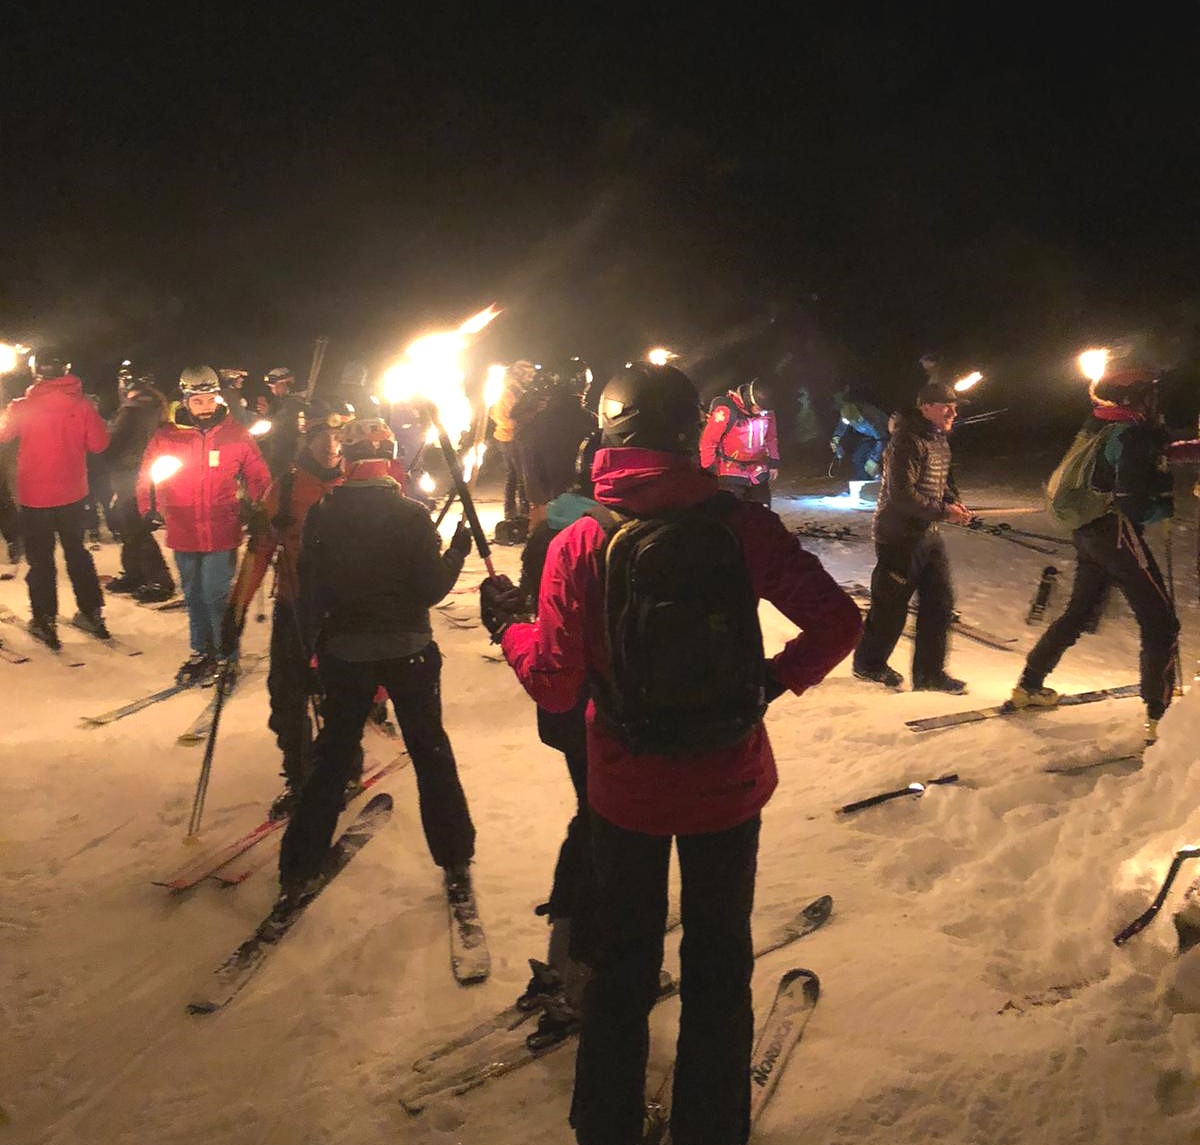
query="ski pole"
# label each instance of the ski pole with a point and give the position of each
(464, 494)
(1144, 919)
(1178, 689)
(912, 789)
(222, 686)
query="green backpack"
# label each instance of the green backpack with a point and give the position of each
(1071, 497)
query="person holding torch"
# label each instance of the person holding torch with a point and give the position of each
(200, 504)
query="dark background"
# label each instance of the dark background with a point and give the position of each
(818, 197)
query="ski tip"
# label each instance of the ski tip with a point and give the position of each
(819, 909)
(812, 984)
(377, 805)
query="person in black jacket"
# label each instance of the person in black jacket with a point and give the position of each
(1132, 472)
(917, 492)
(370, 570)
(285, 411)
(144, 572)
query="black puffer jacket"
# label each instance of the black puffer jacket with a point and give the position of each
(370, 563)
(917, 485)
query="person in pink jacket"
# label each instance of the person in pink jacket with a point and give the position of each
(191, 477)
(56, 427)
(708, 800)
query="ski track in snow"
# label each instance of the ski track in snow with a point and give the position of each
(971, 992)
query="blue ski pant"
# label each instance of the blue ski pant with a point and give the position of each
(205, 579)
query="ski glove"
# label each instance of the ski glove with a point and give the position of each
(153, 520)
(499, 605)
(461, 541)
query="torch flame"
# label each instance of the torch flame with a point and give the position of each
(260, 427)
(965, 383)
(8, 358)
(426, 484)
(493, 385)
(1093, 363)
(660, 356)
(431, 370)
(164, 468)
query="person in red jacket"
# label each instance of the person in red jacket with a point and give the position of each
(317, 470)
(196, 494)
(709, 801)
(740, 444)
(56, 428)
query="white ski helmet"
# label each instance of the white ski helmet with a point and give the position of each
(199, 380)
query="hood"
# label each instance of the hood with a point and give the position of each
(1117, 413)
(566, 509)
(68, 384)
(645, 481)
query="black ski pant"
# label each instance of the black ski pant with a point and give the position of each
(902, 568)
(141, 558)
(39, 528)
(1108, 552)
(413, 684)
(746, 490)
(287, 687)
(572, 893)
(711, 1101)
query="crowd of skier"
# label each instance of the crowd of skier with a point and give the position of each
(648, 541)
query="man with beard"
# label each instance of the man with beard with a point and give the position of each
(200, 503)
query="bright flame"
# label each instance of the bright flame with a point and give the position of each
(964, 384)
(8, 358)
(426, 483)
(660, 356)
(473, 460)
(493, 385)
(260, 427)
(432, 371)
(1093, 363)
(165, 467)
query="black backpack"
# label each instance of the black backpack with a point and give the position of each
(686, 670)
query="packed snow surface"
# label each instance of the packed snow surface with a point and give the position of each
(971, 991)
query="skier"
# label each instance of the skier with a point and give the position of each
(549, 423)
(708, 799)
(867, 427)
(143, 410)
(201, 508)
(370, 571)
(740, 443)
(1132, 475)
(232, 381)
(917, 493)
(517, 380)
(56, 427)
(285, 411)
(288, 500)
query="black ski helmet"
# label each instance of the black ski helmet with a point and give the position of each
(650, 407)
(49, 363)
(755, 394)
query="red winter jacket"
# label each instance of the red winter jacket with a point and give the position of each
(200, 501)
(738, 443)
(666, 795)
(57, 427)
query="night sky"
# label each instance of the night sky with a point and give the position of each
(824, 198)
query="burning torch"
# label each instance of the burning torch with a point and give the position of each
(1093, 364)
(161, 469)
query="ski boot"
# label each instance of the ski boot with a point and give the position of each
(92, 623)
(1151, 731)
(224, 673)
(558, 1021)
(45, 630)
(886, 676)
(941, 683)
(1027, 696)
(152, 593)
(458, 883)
(196, 669)
(123, 584)
(283, 804)
(545, 983)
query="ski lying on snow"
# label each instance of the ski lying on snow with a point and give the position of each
(234, 872)
(933, 723)
(134, 706)
(509, 1050)
(795, 999)
(12, 655)
(197, 731)
(233, 974)
(1134, 757)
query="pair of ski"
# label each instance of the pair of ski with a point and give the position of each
(794, 1002)
(976, 715)
(197, 731)
(470, 960)
(862, 596)
(220, 862)
(62, 656)
(500, 1045)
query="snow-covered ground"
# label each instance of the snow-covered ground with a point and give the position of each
(971, 989)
